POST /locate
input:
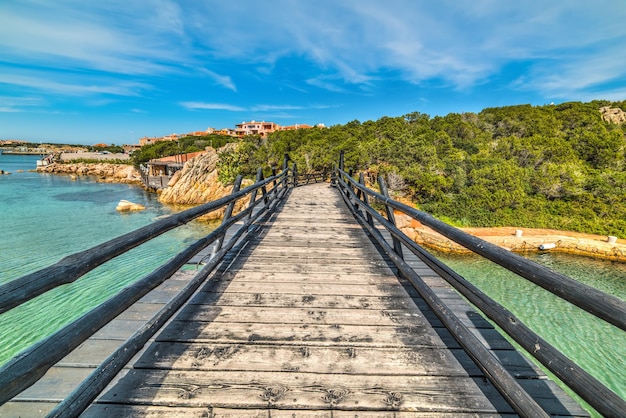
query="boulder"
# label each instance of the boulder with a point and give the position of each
(198, 183)
(127, 206)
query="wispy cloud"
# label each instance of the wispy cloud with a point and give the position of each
(360, 55)
(18, 104)
(223, 80)
(460, 45)
(263, 107)
(254, 108)
(211, 106)
(87, 87)
(327, 83)
(62, 35)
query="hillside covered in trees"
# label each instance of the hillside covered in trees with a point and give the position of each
(554, 166)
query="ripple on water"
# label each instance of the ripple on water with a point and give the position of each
(595, 345)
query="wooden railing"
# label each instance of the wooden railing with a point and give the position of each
(31, 364)
(155, 182)
(611, 309)
(312, 177)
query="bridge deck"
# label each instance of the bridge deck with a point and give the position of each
(307, 320)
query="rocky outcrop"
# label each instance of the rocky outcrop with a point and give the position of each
(613, 114)
(197, 183)
(127, 206)
(106, 173)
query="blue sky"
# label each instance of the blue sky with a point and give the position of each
(113, 71)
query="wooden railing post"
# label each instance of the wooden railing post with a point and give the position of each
(366, 200)
(391, 217)
(295, 175)
(275, 182)
(259, 178)
(227, 214)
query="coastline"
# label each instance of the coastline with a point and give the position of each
(590, 245)
(105, 172)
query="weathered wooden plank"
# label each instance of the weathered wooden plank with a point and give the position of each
(308, 359)
(311, 277)
(13, 409)
(289, 334)
(149, 411)
(273, 315)
(306, 289)
(306, 391)
(371, 268)
(304, 300)
(276, 253)
(371, 360)
(286, 413)
(90, 353)
(284, 257)
(118, 329)
(58, 382)
(141, 311)
(308, 244)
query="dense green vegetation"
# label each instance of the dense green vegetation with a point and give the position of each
(113, 149)
(554, 166)
(183, 145)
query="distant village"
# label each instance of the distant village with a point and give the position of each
(242, 129)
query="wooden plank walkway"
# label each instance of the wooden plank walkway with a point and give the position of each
(304, 320)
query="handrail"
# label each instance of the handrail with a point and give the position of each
(506, 384)
(73, 266)
(312, 177)
(606, 307)
(77, 401)
(31, 364)
(590, 389)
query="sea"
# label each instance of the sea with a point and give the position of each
(44, 217)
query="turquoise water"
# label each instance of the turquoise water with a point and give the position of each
(44, 217)
(596, 346)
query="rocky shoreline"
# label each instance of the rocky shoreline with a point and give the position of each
(520, 240)
(105, 172)
(197, 183)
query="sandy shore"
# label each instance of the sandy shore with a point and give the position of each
(530, 240)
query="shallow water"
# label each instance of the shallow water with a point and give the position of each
(598, 347)
(44, 217)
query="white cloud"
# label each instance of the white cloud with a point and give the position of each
(456, 43)
(211, 106)
(263, 107)
(10, 104)
(338, 45)
(66, 36)
(40, 82)
(255, 108)
(223, 80)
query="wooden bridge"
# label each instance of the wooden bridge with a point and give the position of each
(294, 307)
